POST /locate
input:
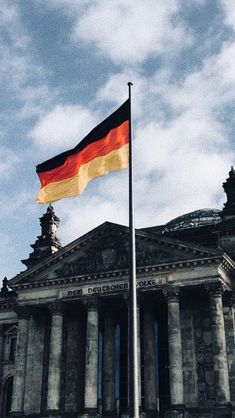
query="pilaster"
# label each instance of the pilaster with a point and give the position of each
(1, 360)
(54, 373)
(17, 408)
(139, 351)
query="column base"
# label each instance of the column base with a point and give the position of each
(176, 411)
(150, 413)
(109, 413)
(222, 410)
(89, 413)
(55, 413)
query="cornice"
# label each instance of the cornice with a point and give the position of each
(7, 305)
(159, 268)
(227, 265)
(119, 230)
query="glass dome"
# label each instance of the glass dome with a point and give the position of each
(201, 217)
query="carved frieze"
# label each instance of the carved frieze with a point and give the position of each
(112, 254)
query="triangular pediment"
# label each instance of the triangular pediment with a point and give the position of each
(11, 331)
(105, 248)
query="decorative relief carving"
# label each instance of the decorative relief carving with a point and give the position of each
(204, 356)
(112, 254)
(172, 293)
(216, 290)
(91, 303)
(150, 254)
(56, 308)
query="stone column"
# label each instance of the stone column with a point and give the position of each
(139, 352)
(109, 366)
(222, 392)
(34, 366)
(229, 324)
(1, 360)
(54, 372)
(175, 349)
(150, 382)
(17, 406)
(91, 367)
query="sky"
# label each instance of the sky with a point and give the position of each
(65, 65)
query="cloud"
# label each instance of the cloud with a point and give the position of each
(181, 145)
(211, 87)
(131, 32)
(9, 162)
(69, 5)
(10, 23)
(128, 32)
(92, 211)
(63, 127)
(229, 12)
(20, 73)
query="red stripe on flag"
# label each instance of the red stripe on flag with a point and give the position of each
(115, 139)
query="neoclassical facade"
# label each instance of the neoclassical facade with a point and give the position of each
(64, 321)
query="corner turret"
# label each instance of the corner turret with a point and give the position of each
(226, 229)
(47, 243)
(228, 212)
(5, 292)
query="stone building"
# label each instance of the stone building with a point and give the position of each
(63, 321)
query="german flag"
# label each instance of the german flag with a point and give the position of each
(103, 150)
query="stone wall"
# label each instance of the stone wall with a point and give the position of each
(230, 345)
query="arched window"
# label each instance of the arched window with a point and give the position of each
(7, 397)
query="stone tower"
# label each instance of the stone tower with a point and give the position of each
(47, 243)
(226, 233)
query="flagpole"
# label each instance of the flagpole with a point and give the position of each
(132, 335)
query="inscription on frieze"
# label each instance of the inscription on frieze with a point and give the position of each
(84, 290)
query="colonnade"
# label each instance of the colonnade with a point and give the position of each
(172, 295)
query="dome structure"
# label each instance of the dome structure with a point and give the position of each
(197, 218)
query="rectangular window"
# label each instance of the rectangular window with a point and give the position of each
(12, 354)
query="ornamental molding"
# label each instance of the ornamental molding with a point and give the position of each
(172, 293)
(56, 308)
(216, 290)
(91, 303)
(7, 306)
(158, 248)
(86, 278)
(227, 265)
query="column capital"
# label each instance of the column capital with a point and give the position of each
(215, 290)
(172, 293)
(56, 307)
(23, 312)
(91, 303)
(230, 299)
